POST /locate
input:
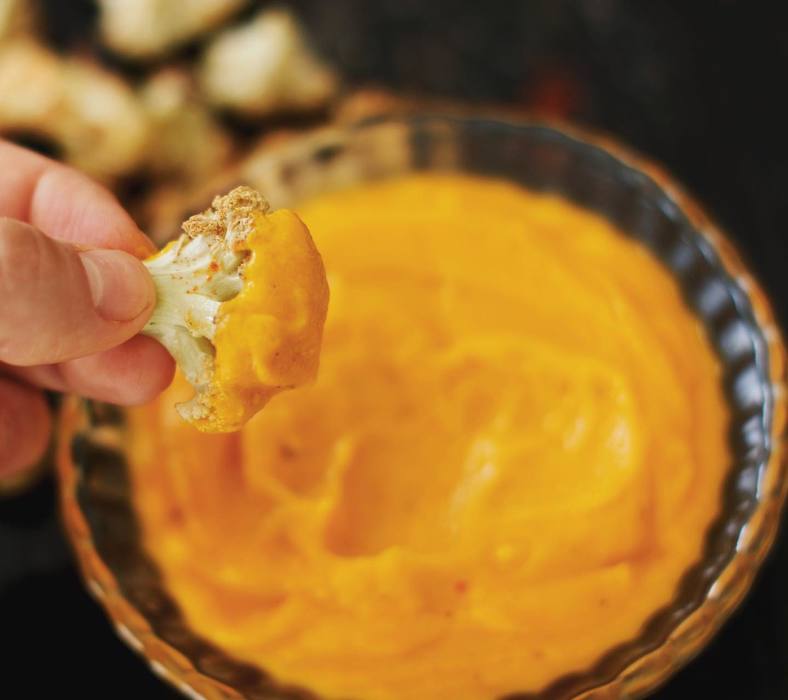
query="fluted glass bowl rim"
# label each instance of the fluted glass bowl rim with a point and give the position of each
(660, 658)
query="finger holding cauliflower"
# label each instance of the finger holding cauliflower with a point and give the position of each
(241, 302)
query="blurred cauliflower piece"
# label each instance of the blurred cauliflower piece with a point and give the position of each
(17, 17)
(242, 298)
(148, 28)
(89, 113)
(186, 141)
(265, 66)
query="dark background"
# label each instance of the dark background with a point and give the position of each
(695, 84)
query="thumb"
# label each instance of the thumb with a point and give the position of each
(58, 302)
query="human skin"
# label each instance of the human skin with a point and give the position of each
(74, 297)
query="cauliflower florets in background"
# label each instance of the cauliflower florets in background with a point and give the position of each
(88, 112)
(145, 29)
(186, 143)
(265, 66)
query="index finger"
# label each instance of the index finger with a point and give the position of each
(64, 203)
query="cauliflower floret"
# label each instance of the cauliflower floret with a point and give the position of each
(144, 29)
(242, 298)
(187, 144)
(86, 110)
(265, 66)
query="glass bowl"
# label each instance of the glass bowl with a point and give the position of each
(591, 171)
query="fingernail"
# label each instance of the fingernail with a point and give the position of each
(120, 286)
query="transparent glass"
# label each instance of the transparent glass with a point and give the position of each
(591, 171)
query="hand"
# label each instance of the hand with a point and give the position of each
(73, 296)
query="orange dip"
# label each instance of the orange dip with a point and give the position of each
(514, 448)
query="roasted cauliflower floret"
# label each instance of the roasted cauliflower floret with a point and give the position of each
(265, 66)
(87, 111)
(145, 29)
(187, 144)
(242, 298)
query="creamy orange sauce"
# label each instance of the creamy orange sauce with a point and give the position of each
(513, 450)
(268, 337)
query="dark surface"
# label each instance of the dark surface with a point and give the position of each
(696, 85)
